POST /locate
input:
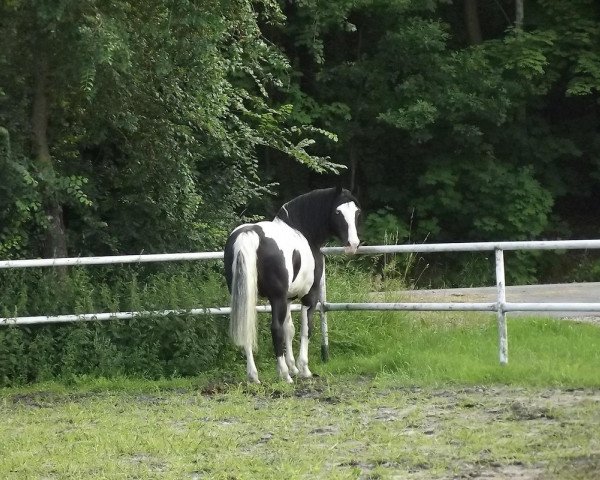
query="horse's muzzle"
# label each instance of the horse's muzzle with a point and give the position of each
(351, 248)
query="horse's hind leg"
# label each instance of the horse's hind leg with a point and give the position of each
(250, 365)
(288, 327)
(279, 310)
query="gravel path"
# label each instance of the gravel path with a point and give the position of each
(555, 293)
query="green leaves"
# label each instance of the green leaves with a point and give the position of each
(586, 80)
(72, 187)
(527, 54)
(167, 121)
(415, 117)
(485, 200)
(383, 224)
(158, 113)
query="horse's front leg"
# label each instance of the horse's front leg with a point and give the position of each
(305, 331)
(288, 327)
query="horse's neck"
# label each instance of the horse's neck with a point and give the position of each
(313, 223)
(316, 238)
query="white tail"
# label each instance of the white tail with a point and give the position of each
(242, 323)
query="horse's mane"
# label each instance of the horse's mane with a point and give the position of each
(310, 213)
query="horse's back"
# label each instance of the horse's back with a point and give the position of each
(285, 262)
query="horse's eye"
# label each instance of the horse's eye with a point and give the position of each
(337, 212)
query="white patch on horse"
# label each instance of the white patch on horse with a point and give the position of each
(288, 328)
(302, 364)
(250, 365)
(282, 368)
(348, 210)
(288, 240)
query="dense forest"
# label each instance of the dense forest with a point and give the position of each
(157, 126)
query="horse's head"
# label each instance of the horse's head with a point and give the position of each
(344, 219)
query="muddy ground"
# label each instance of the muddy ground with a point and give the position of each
(559, 430)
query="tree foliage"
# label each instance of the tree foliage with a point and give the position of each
(156, 112)
(460, 140)
(455, 120)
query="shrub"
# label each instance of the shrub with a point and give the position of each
(150, 346)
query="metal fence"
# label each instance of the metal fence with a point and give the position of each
(500, 306)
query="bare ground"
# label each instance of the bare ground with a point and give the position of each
(555, 293)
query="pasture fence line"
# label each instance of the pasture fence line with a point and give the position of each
(500, 306)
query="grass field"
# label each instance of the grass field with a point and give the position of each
(342, 427)
(404, 396)
(461, 348)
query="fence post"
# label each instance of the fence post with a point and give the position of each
(501, 314)
(323, 316)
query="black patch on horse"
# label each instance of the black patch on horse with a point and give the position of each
(296, 263)
(272, 274)
(270, 263)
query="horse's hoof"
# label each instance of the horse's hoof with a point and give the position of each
(305, 373)
(294, 371)
(285, 377)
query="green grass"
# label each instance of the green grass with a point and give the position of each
(416, 348)
(433, 348)
(430, 348)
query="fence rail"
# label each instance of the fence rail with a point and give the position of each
(501, 306)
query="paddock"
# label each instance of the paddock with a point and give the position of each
(501, 306)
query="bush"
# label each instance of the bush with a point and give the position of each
(150, 347)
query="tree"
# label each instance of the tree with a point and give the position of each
(140, 123)
(483, 136)
(472, 22)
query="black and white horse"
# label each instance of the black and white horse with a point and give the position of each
(281, 260)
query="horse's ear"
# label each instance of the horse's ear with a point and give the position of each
(338, 189)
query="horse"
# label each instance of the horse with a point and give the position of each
(281, 260)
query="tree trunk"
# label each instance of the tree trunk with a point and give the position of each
(55, 243)
(353, 166)
(519, 14)
(472, 22)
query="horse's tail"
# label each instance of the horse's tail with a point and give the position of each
(242, 323)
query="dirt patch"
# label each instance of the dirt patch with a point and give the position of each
(326, 430)
(213, 389)
(497, 471)
(530, 412)
(47, 399)
(152, 463)
(586, 466)
(440, 425)
(535, 432)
